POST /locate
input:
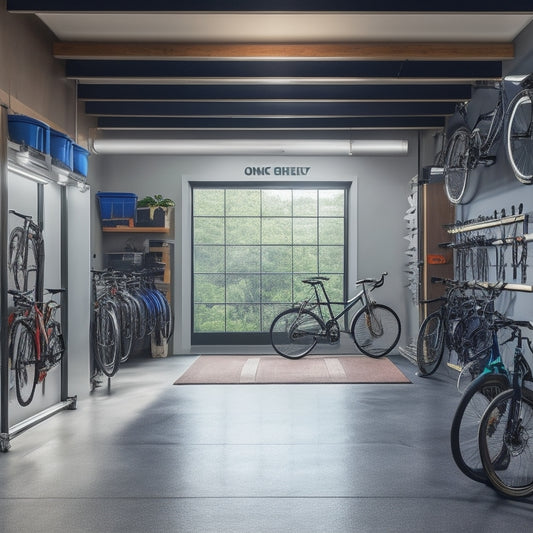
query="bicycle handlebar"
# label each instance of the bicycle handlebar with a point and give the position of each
(376, 282)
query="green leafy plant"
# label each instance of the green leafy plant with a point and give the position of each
(155, 201)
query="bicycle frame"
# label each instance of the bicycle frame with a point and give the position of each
(29, 231)
(324, 301)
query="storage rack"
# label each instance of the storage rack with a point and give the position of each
(40, 168)
(498, 242)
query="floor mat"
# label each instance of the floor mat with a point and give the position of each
(250, 369)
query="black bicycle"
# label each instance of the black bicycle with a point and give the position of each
(458, 326)
(375, 328)
(468, 148)
(26, 255)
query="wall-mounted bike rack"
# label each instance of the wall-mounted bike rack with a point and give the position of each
(8, 432)
(473, 239)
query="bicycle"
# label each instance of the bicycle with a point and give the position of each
(127, 307)
(375, 328)
(26, 255)
(469, 147)
(36, 342)
(457, 325)
(506, 427)
(493, 380)
(519, 133)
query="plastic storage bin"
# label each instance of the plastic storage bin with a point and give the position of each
(80, 159)
(61, 149)
(28, 131)
(117, 205)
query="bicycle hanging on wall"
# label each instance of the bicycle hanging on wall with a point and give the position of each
(467, 147)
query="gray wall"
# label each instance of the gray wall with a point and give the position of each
(496, 187)
(378, 201)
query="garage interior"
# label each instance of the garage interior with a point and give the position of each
(223, 96)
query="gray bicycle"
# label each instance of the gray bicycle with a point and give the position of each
(375, 328)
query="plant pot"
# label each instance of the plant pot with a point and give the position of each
(153, 217)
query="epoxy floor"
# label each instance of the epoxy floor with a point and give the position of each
(148, 456)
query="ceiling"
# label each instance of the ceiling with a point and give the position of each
(257, 66)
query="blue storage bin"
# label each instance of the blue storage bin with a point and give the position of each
(80, 161)
(117, 205)
(28, 131)
(61, 149)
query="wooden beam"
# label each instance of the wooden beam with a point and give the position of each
(365, 51)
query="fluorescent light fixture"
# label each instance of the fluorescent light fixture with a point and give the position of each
(308, 147)
(26, 174)
(62, 175)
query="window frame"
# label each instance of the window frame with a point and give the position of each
(259, 338)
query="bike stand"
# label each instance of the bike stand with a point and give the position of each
(17, 429)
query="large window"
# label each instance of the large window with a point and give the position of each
(251, 249)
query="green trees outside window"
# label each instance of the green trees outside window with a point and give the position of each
(253, 246)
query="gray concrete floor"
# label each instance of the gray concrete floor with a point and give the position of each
(148, 456)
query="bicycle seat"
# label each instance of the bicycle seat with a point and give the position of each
(55, 291)
(315, 281)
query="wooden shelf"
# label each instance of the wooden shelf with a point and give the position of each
(127, 229)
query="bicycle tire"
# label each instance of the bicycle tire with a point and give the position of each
(465, 424)
(294, 332)
(508, 460)
(457, 165)
(23, 353)
(519, 137)
(375, 334)
(15, 250)
(124, 308)
(106, 340)
(430, 344)
(56, 346)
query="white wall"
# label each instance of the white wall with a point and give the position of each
(378, 201)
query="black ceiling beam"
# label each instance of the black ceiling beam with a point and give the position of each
(233, 123)
(276, 109)
(442, 92)
(79, 69)
(171, 6)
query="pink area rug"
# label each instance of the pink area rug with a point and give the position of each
(250, 369)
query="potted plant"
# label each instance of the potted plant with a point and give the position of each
(153, 211)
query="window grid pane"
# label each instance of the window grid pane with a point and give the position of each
(252, 248)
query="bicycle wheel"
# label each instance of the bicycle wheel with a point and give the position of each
(376, 330)
(519, 137)
(505, 445)
(430, 344)
(465, 424)
(125, 315)
(456, 165)
(106, 340)
(294, 332)
(23, 353)
(56, 346)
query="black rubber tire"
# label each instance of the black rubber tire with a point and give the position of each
(294, 332)
(376, 336)
(465, 424)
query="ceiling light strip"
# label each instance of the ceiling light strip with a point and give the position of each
(311, 147)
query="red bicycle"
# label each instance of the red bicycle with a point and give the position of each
(36, 342)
